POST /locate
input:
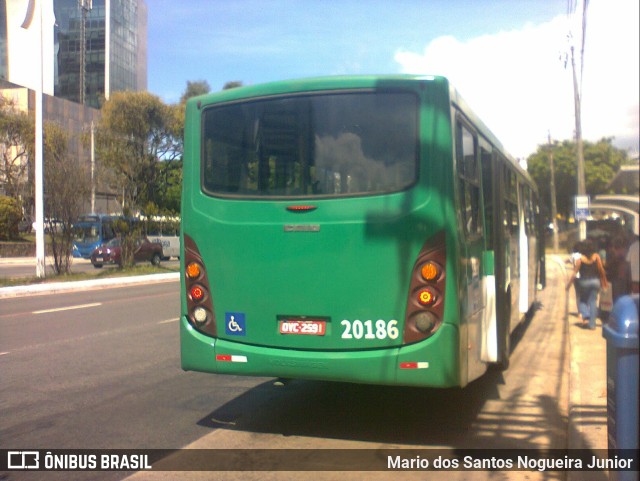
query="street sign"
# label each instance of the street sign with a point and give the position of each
(581, 207)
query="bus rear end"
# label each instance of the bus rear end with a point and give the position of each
(314, 241)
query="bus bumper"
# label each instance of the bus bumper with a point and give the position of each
(431, 363)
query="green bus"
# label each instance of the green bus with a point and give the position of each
(365, 229)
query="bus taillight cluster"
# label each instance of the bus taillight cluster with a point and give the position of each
(425, 305)
(199, 304)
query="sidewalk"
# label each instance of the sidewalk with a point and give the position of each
(587, 388)
(588, 374)
(587, 410)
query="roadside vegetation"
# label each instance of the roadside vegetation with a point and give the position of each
(602, 161)
(137, 270)
(138, 141)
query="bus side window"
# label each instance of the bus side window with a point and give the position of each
(487, 189)
(107, 231)
(468, 181)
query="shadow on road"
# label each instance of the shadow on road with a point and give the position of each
(357, 412)
(527, 412)
(381, 414)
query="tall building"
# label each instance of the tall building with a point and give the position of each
(115, 46)
(115, 33)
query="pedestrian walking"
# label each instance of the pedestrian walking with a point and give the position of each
(592, 279)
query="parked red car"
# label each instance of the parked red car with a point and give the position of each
(111, 252)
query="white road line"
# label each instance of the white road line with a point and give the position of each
(169, 320)
(3, 353)
(68, 308)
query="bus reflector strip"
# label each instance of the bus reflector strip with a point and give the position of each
(230, 358)
(414, 365)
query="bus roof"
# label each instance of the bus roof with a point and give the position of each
(313, 84)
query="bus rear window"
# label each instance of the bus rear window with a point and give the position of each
(316, 145)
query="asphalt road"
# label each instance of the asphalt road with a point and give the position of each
(101, 370)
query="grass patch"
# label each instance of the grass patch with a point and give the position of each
(105, 273)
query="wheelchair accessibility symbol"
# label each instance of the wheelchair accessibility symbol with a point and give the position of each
(234, 323)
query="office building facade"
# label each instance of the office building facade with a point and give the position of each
(115, 47)
(115, 53)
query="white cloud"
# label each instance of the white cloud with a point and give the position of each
(612, 70)
(517, 83)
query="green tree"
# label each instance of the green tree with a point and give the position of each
(9, 218)
(195, 88)
(66, 187)
(170, 182)
(137, 135)
(16, 142)
(137, 131)
(232, 84)
(602, 161)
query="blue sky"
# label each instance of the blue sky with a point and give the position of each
(503, 55)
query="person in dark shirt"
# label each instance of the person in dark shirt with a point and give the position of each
(618, 268)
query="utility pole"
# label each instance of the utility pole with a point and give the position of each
(93, 169)
(554, 209)
(38, 147)
(39, 162)
(581, 189)
(577, 98)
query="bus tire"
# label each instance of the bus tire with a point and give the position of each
(97, 266)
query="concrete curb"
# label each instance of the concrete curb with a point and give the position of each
(93, 284)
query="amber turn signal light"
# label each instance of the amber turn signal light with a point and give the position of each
(430, 271)
(193, 270)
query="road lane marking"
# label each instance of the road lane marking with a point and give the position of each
(68, 308)
(169, 320)
(3, 353)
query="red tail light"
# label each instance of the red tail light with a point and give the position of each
(301, 208)
(425, 305)
(427, 297)
(198, 293)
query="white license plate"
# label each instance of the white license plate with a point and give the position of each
(300, 327)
